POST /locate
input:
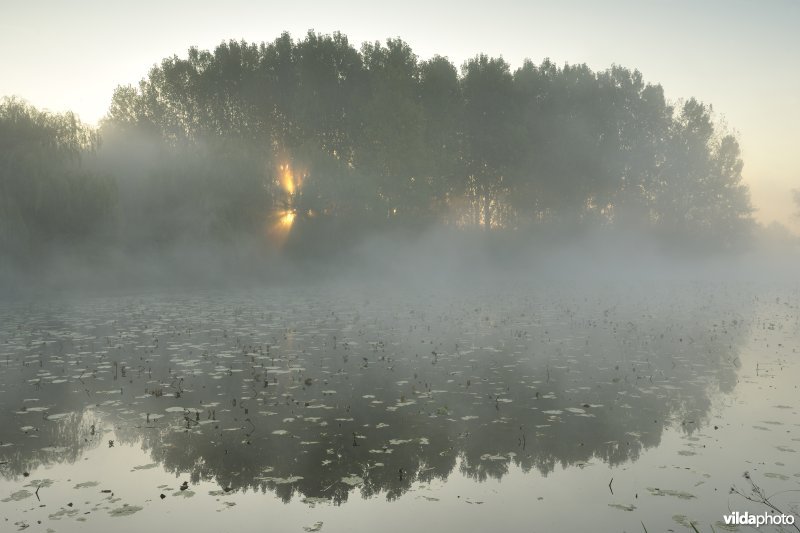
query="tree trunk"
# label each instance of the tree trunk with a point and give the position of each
(487, 214)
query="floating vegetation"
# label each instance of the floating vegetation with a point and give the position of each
(18, 495)
(667, 492)
(125, 510)
(283, 480)
(324, 398)
(622, 507)
(774, 475)
(352, 480)
(57, 416)
(684, 521)
(63, 512)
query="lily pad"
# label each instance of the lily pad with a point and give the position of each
(125, 510)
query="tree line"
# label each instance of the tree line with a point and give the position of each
(331, 140)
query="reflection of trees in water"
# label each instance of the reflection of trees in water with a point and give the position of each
(34, 342)
(391, 394)
(58, 441)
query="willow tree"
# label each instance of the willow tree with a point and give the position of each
(47, 197)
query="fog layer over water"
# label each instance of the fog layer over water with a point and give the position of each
(316, 156)
(322, 395)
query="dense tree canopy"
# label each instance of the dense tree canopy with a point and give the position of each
(45, 194)
(327, 139)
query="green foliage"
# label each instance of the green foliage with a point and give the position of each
(382, 140)
(46, 196)
(699, 195)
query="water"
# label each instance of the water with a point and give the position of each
(535, 409)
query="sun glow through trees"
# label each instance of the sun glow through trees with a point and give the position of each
(284, 214)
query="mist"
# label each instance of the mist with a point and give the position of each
(265, 162)
(348, 273)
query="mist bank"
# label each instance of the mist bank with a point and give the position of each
(445, 259)
(313, 159)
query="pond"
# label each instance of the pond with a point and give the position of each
(615, 408)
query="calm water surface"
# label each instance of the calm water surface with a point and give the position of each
(556, 409)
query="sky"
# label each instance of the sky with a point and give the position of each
(742, 57)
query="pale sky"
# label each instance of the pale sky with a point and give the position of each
(741, 56)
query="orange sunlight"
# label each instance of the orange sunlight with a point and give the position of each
(289, 182)
(279, 224)
(287, 218)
